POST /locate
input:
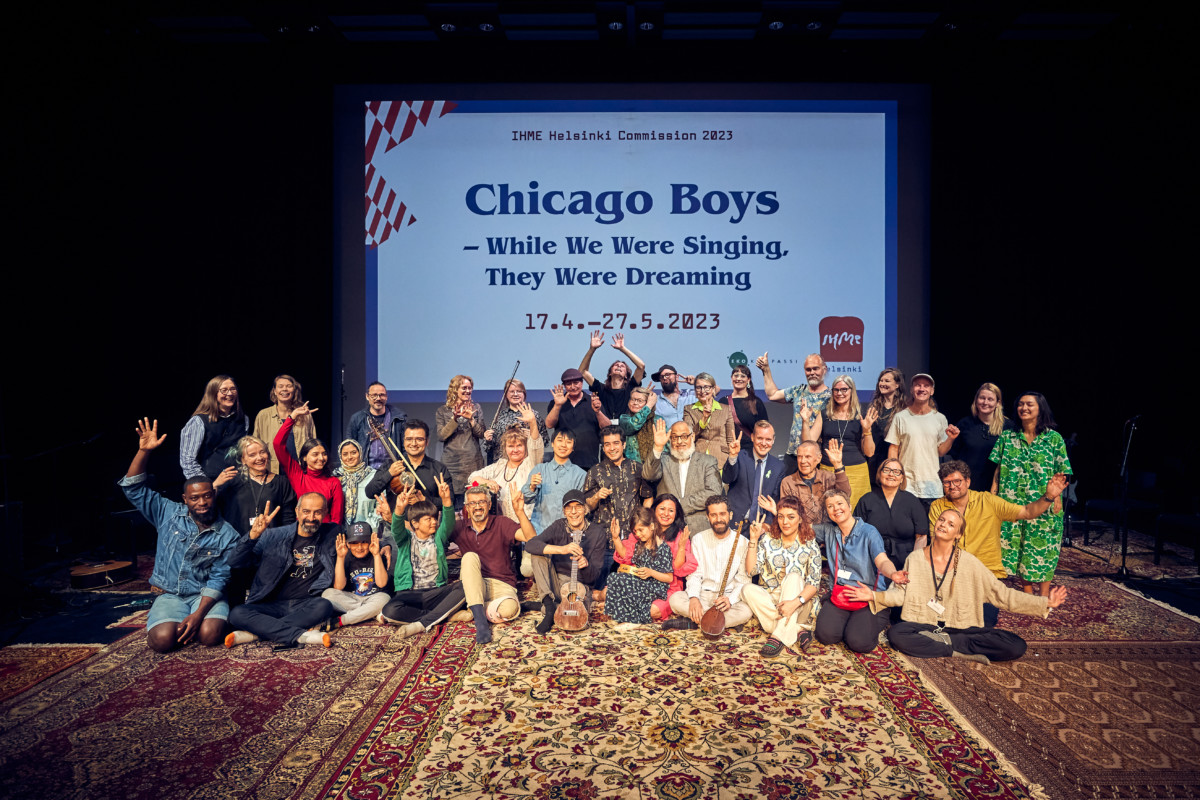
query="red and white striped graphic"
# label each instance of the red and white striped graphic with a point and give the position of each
(388, 123)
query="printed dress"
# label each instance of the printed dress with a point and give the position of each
(628, 598)
(1029, 548)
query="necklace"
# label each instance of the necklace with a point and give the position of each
(937, 585)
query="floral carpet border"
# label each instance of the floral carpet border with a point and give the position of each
(385, 757)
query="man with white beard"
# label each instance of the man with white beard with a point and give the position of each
(690, 476)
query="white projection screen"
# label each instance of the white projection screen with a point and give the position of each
(479, 226)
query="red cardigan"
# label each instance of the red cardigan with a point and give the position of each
(302, 482)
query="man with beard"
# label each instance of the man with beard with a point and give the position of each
(378, 415)
(190, 571)
(428, 470)
(613, 489)
(690, 476)
(295, 565)
(614, 392)
(808, 401)
(485, 541)
(673, 400)
(983, 512)
(810, 484)
(554, 551)
(712, 549)
(572, 409)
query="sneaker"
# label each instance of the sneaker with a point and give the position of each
(803, 641)
(772, 648)
(679, 624)
(315, 637)
(240, 637)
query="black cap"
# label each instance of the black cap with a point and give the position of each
(657, 376)
(574, 496)
(358, 532)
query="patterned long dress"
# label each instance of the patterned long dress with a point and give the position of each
(628, 598)
(1029, 548)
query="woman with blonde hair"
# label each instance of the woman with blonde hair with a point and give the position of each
(978, 433)
(460, 427)
(712, 422)
(510, 414)
(285, 397)
(844, 421)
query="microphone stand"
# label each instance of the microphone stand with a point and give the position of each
(1123, 573)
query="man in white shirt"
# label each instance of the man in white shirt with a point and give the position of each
(713, 549)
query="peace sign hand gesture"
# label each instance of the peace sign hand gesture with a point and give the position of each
(263, 520)
(757, 528)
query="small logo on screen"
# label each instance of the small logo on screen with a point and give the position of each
(841, 339)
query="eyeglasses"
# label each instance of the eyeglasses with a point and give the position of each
(701, 388)
(377, 396)
(414, 439)
(952, 483)
(680, 437)
(227, 391)
(474, 503)
(666, 374)
(893, 472)
(842, 390)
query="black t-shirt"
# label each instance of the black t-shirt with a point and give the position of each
(614, 402)
(580, 420)
(973, 445)
(360, 575)
(305, 569)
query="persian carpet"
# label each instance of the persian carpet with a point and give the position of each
(1088, 719)
(24, 666)
(1097, 611)
(201, 722)
(669, 715)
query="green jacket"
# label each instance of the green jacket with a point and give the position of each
(403, 575)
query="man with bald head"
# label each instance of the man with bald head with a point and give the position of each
(692, 477)
(809, 484)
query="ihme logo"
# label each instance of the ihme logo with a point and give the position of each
(841, 339)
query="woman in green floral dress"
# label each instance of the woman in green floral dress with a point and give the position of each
(1028, 458)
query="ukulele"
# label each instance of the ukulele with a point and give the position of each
(571, 614)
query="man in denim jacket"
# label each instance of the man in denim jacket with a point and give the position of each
(190, 569)
(295, 565)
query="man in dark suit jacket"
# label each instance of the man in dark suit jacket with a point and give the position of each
(742, 474)
(701, 480)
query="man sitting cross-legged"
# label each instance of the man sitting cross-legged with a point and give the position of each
(423, 598)
(713, 549)
(296, 564)
(554, 550)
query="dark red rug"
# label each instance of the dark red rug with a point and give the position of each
(24, 666)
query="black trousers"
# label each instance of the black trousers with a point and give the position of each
(281, 621)
(426, 606)
(997, 645)
(858, 629)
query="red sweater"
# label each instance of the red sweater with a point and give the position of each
(302, 482)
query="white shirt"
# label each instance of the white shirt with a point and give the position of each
(712, 555)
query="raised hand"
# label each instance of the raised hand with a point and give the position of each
(1057, 595)
(1057, 485)
(952, 431)
(147, 431)
(263, 520)
(527, 415)
(302, 411)
(382, 508)
(614, 528)
(870, 418)
(596, 403)
(762, 362)
(227, 474)
(597, 339)
(535, 480)
(517, 499)
(684, 534)
(445, 492)
(834, 450)
(558, 394)
(618, 341)
(735, 447)
(757, 528)
(374, 544)
(768, 504)
(661, 437)
(340, 546)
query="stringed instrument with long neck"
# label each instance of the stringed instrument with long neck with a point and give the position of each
(406, 479)
(712, 624)
(572, 614)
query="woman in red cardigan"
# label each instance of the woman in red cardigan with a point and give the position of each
(313, 473)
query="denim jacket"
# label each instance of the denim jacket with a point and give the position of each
(273, 549)
(187, 561)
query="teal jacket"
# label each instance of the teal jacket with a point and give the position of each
(402, 578)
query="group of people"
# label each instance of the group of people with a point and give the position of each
(666, 505)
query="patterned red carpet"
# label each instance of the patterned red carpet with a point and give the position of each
(24, 666)
(203, 722)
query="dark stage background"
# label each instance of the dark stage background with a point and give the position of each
(169, 226)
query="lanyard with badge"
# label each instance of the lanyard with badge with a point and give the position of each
(939, 634)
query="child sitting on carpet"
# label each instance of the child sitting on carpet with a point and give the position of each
(360, 579)
(644, 574)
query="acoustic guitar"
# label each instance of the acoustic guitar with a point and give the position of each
(104, 573)
(572, 614)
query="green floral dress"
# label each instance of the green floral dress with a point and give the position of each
(1029, 548)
